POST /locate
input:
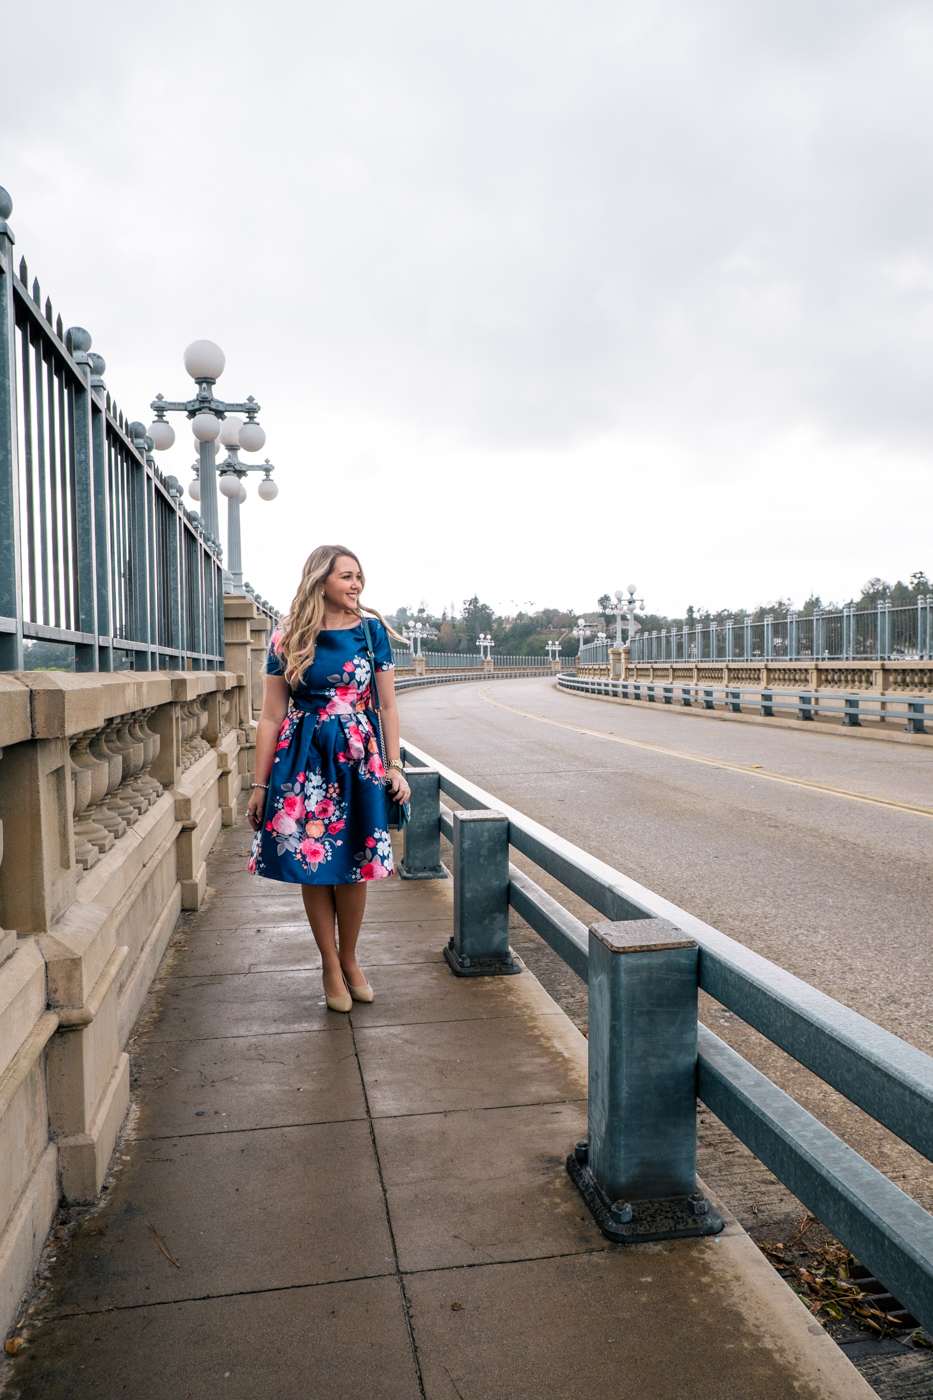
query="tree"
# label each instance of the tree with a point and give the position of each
(476, 617)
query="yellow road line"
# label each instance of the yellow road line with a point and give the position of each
(746, 768)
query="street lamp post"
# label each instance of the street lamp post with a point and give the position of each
(485, 643)
(633, 624)
(553, 651)
(618, 612)
(205, 362)
(581, 631)
(232, 471)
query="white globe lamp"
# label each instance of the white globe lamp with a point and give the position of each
(268, 489)
(204, 360)
(205, 427)
(230, 431)
(162, 434)
(229, 485)
(252, 437)
(194, 489)
(243, 493)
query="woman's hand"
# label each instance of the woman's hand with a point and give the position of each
(257, 807)
(397, 787)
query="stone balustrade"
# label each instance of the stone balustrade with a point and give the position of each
(878, 678)
(113, 788)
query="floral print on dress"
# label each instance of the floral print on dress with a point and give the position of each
(325, 816)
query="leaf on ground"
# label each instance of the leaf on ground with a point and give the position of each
(13, 1345)
(456, 1307)
(162, 1245)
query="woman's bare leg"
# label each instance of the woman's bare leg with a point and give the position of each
(350, 901)
(321, 912)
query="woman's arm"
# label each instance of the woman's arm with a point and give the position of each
(274, 709)
(385, 684)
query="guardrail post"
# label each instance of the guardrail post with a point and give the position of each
(735, 702)
(850, 714)
(805, 707)
(685, 699)
(637, 1169)
(480, 945)
(422, 858)
(708, 699)
(767, 704)
(915, 716)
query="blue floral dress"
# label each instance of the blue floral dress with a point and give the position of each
(325, 819)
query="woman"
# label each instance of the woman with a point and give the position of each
(318, 805)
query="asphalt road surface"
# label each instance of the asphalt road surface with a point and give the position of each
(814, 849)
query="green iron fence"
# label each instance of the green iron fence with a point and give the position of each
(101, 566)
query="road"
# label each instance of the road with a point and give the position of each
(813, 849)
(835, 889)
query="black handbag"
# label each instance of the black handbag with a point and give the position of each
(397, 813)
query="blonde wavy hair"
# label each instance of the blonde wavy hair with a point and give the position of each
(298, 638)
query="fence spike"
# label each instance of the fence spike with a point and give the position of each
(23, 271)
(48, 310)
(108, 401)
(60, 327)
(36, 294)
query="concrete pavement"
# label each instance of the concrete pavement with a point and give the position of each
(306, 1204)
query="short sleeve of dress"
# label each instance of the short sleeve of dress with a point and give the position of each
(382, 648)
(275, 666)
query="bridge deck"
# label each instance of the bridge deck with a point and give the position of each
(376, 1205)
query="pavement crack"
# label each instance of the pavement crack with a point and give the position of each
(406, 1300)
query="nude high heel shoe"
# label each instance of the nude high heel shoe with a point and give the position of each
(344, 1002)
(364, 993)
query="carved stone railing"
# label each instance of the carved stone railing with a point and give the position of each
(113, 787)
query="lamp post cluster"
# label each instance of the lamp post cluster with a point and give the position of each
(581, 631)
(624, 611)
(485, 643)
(553, 651)
(214, 420)
(416, 632)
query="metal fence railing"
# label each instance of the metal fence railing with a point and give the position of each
(457, 660)
(911, 711)
(649, 1059)
(101, 566)
(879, 633)
(593, 654)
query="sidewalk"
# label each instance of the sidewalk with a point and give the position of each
(308, 1206)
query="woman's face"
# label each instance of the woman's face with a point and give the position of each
(344, 583)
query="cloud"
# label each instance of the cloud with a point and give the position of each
(586, 287)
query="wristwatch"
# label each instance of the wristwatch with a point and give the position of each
(395, 763)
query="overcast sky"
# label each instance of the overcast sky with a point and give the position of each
(539, 297)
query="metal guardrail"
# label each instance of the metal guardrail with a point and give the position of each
(502, 673)
(802, 704)
(879, 633)
(889, 1079)
(452, 660)
(97, 554)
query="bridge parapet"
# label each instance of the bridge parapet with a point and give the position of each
(913, 677)
(113, 788)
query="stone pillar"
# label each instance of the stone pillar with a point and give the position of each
(419, 665)
(36, 804)
(615, 663)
